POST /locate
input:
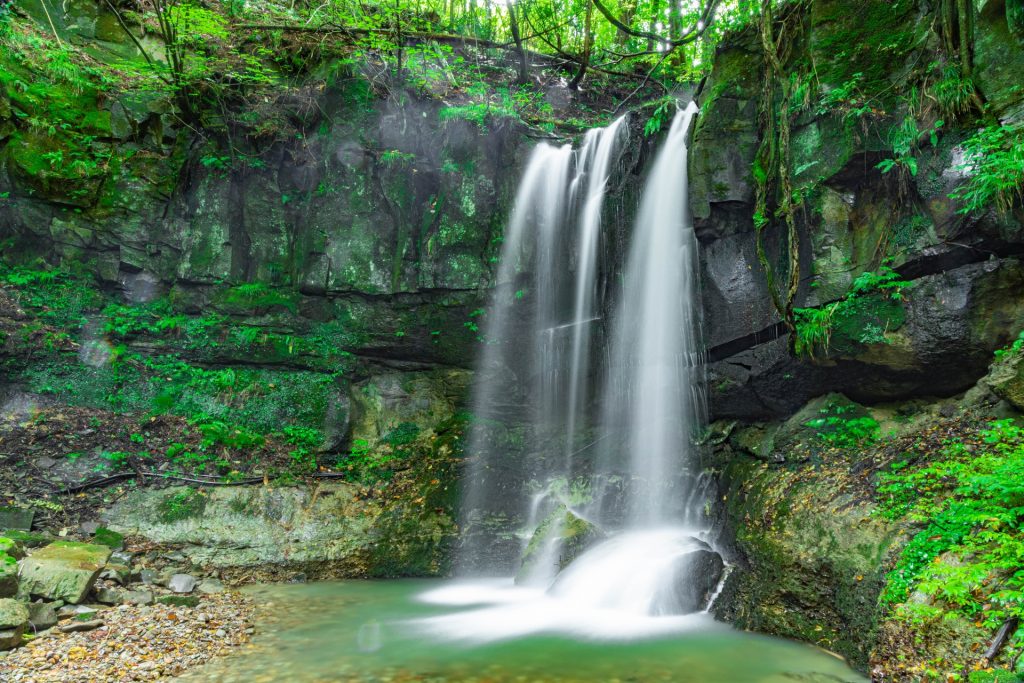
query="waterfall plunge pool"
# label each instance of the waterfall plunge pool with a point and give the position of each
(490, 631)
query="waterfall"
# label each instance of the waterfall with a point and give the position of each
(618, 523)
(536, 333)
(653, 393)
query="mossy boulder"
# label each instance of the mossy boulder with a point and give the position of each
(28, 539)
(8, 575)
(558, 540)
(326, 531)
(12, 547)
(13, 620)
(63, 570)
(812, 555)
(999, 58)
(1006, 378)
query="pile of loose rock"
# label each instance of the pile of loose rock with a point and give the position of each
(95, 611)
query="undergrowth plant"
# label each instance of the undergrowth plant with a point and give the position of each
(866, 307)
(994, 164)
(968, 556)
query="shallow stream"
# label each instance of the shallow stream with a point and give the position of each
(492, 632)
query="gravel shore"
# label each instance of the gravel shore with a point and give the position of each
(135, 643)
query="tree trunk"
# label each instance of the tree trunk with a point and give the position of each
(588, 44)
(513, 23)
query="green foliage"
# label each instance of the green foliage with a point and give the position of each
(186, 504)
(904, 141)
(258, 296)
(994, 162)
(662, 112)
(218, 433)
(847, 99)
(953, 91)
(500, 105)
(54, 297)
(864, 314)
(837, 429)
(1014, 347)
(969, 506)
(393, 157)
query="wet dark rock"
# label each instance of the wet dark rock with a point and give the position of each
(698, 574)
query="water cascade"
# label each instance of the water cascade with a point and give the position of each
(605, 484)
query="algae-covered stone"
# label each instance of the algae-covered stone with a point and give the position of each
(814, 556)
(13, 619)
(111, 539)
(8, 576)
(12, 547)
(1006, 378)
(178, 600)
(560, 539)
(63, 570)
(28, 539)
(16, 518)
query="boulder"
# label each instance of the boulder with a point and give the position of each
(137, 597)
(697, 574)
(80, 626)
(559, 540)
(13, 620)
(63, 570)
(8, 576)
(210, 586)
(42, 615)
(182, 583)
(1006, 378)
(11, 547)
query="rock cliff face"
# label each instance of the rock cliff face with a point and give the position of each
(362, 246)
(813, 553)
(965, 269)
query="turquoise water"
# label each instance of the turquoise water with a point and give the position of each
(429, 631)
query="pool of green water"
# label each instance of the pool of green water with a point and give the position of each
(428, 631)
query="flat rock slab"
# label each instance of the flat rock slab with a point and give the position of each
(79, 626)
(63, 570)
(16, 518)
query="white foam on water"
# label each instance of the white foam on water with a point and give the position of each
(609, 593)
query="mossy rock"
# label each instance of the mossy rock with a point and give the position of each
(13, 620)
(1006, 378)
(8, 576)
(58, 181)
(12, 547)
(178, 600)
(111, 539)
(560, 538)
(28, 539)
(63, 570)
(814, 557)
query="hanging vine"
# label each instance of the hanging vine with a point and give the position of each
(773, 163)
